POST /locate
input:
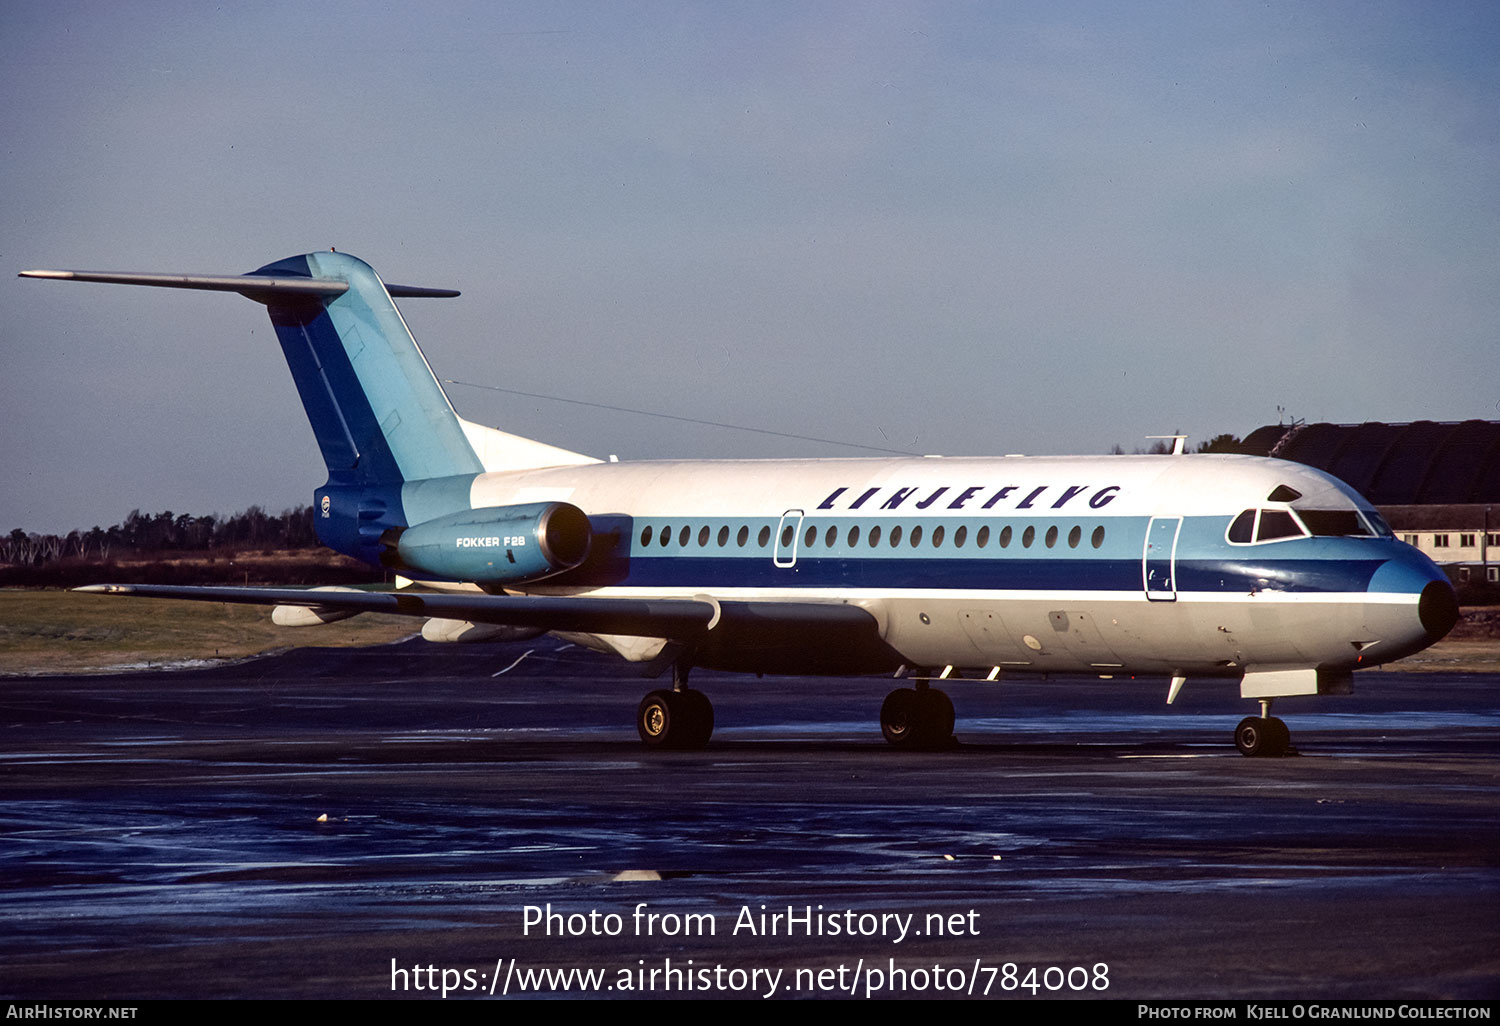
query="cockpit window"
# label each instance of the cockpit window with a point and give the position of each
(1335, 523)
(1272, 525)
(1275, 523)
(1243, 528)
(1284, 493)
(1378, 523)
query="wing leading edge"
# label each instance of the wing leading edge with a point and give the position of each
(759, 637)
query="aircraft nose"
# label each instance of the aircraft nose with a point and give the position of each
(1438, 610)
(1409, 574)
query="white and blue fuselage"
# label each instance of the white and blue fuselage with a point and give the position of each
(1114, 564)
(1185, 566)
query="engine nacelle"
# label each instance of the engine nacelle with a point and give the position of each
(495, 545)
(447, 632)
(312, 616)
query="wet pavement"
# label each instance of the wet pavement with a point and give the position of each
(160, 836)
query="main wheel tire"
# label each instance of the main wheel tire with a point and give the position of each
(675, 719)
(1257, 737)
(900, 719)
(655, 719)
(698, 712)
(936, 716)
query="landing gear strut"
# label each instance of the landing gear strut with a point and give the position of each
(917, 718)
(1262, 735)
(680, 719)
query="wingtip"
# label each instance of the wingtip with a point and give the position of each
(45, 274)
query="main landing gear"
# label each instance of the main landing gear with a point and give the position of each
(681, 719)
(917, 718)
(1262, 735)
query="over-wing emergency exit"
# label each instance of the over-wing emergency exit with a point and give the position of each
(1264, 572)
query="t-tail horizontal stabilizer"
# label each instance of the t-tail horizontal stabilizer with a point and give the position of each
(261, 288)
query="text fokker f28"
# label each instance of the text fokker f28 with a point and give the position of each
(1256, 570)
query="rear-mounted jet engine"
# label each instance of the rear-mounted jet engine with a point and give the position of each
(494, 545)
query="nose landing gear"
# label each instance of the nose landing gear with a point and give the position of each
(1262, 735)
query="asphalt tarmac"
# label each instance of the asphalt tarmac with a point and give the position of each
(493, 824)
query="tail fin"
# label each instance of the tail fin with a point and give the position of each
(396, 451)
(379, 414)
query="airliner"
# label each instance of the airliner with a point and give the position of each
(924, 569)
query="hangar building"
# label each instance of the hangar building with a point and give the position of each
(1437, 484)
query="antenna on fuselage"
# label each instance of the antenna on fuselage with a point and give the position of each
(1179, 443)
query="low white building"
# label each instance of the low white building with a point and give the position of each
(1463, 539)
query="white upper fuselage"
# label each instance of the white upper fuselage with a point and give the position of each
(1109, 564)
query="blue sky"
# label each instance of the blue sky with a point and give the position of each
(950, 228)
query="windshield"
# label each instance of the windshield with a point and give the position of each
(1336, 523)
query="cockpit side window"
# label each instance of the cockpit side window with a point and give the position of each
(1378, 524)
(1242, 531)
(1264, 525)
(1276, 523)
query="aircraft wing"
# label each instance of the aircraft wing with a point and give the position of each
(731, 634)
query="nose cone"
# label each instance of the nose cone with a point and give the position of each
(1438, 610)
(1412, 606)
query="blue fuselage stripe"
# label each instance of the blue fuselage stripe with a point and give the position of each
(1205, 563)
(1001, 574)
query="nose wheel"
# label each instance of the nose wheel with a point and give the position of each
(1262, 736)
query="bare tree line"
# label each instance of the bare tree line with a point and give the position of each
(165, 532)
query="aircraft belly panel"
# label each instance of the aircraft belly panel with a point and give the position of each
(991, 643)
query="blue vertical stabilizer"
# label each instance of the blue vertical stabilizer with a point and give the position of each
(396, 451)
(379, 415)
